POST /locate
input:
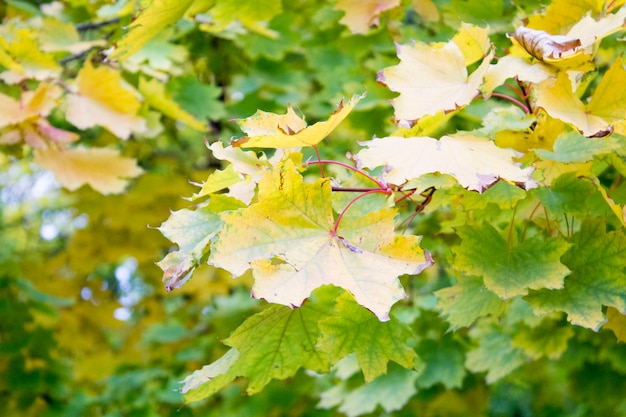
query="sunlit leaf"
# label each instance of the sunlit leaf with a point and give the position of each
(431, 78)
(297, 251)
(269, 130)
(476, 163)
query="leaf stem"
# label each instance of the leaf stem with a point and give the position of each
(530, 217)
(513, 100)
(317, 152)
(354, 200)
(508, 239)
(350, 167)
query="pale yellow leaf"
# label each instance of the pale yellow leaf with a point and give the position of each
(476, 163)
(509, 67)
(561, 15)
(473, 41)
(103, 169)
(605, 108)
(431, 78)
(269, 130)
(58, 36)
(360, 15)
(617, 323)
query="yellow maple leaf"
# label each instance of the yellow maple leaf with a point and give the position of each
(25, 59)
(32, 104)
(561, 15)
(431, 78)
(360, 15)
(103, 169)
(104, 100)
(616, 323)
(473, 41)
(269, 130)
(605, 108)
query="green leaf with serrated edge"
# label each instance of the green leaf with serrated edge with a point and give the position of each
(597, 261)
(391, 392)
(443, 363)
(495, 352)
(355, 330)
(573, 147)
(466, 301)
(568, 194)
(191, 230)
(217, 181)
(547, 339)
(159, 15)
(292, 247)
(211, 378)
(509, 270)
(503, 194)
(277, 342)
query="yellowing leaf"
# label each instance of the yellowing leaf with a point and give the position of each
(431, 79)
(103, 100)
(426, 9)
(252, 14)
(473, 41)
(26, 60)
(292, 248)
(511, 66)
(360, 15)
(475, 163)
(616, 323)
(154, 93)
(32, 104)
(157, 16)
(103, 169)
(58, 36)
(561, 15)
(269, 130)
(605, 108)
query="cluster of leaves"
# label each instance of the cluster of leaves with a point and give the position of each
(467, 260)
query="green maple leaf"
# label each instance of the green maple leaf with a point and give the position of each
(543, 340)
(466, 301)
(391, 392)
(495, 353)
(443, 363)
(191, 230)
(597, 262)
(510, 271)
(354, 330)
(573, 147)
(289, 240)
(272, 344)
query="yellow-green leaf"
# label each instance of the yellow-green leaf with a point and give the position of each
(154, 93)
(269, 130)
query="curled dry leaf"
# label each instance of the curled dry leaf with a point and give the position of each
(542, 45)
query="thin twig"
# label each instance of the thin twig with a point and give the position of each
(513, 100)
(83, 27)
(317, 152)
